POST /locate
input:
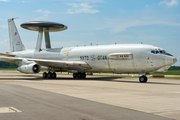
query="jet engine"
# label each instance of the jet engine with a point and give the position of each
(30, 68)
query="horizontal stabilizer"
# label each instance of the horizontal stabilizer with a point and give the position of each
(10, 59)
(7, 55)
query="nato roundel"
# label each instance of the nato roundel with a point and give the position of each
(43, 26)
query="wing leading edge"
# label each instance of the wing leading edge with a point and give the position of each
(51, 63)
(62, 64)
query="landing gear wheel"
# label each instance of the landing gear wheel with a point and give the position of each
(79, 75)
(44, 75)
(75, 75)
(143, 79)
(83, 75)
(49, 75)
(53, 75)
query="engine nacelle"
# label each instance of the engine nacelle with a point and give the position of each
(31, 68)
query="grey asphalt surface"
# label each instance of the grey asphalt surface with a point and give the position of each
(43, 105)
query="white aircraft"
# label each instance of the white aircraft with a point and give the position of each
(123, 58)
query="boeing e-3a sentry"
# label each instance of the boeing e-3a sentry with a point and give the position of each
(118, 58)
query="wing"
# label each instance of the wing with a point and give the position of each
(51, 63)
(62, 64)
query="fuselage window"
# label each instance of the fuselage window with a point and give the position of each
(126, 55)
(121, 56)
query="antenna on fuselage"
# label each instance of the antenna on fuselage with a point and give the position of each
(46, 27)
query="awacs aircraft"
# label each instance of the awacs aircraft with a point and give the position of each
(123, 58)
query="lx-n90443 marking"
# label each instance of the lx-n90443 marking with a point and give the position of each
(119, 58)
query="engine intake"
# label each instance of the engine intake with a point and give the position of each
(31, 68)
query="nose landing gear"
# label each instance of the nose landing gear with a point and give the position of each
(143, 79)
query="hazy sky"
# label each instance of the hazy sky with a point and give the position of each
(155, 22)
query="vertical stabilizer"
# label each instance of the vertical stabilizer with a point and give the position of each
(15, 40)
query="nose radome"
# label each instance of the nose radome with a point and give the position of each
(174, 60)
(170, 60)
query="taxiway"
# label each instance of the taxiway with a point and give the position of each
(93, 98)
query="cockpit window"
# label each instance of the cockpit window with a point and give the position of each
(157, 51)
(162, 51)
(152, 51)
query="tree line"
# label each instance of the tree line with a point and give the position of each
(174, 68)
(4, 64)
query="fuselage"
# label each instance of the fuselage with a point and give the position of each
(122, 58)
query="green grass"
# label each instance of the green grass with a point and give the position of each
(169, 72)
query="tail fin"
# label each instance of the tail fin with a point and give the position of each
(15, 40)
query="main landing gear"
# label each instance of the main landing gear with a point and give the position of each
(49, 75)
(143, 79)
(79, 75)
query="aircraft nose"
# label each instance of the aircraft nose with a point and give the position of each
(174, 60)
(170, 60)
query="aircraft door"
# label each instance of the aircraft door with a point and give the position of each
(121, 62)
